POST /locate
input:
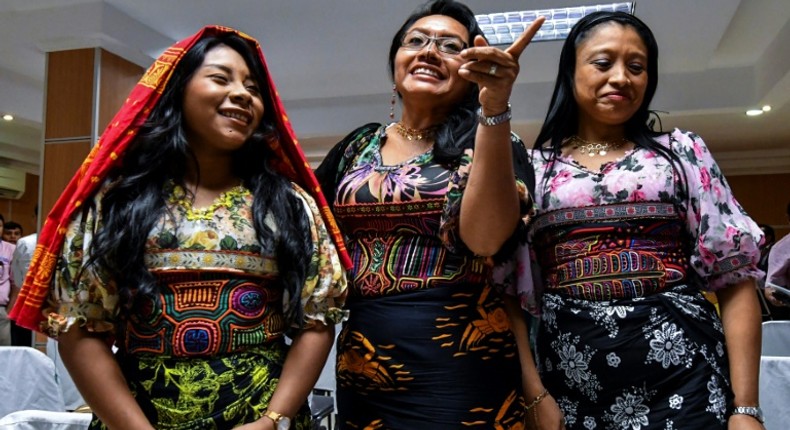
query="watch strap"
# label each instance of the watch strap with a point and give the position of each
(489, 121)
(753, 411)
(274, 416)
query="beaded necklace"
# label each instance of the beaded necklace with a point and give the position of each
(179, 197)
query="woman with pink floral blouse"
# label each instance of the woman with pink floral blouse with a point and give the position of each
(631, 226)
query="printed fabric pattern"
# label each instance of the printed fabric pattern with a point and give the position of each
(425, 322)
(624, 254)
(209, 352)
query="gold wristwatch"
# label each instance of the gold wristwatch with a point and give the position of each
(281, 422)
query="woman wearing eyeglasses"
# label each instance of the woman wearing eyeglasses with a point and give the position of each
(425, 202)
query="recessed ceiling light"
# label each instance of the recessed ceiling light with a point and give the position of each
(502, 28)
(767, 108)
(754, 112)
(8, 117)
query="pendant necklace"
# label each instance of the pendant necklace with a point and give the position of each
(593, 149)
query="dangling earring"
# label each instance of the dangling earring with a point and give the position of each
(392, 102)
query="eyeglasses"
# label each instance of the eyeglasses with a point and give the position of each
(416, 41)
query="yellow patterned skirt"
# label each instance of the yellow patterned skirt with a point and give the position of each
(206, 393)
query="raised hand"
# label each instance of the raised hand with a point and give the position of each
(495, 70)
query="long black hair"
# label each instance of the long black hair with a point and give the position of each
(458, 130)
(136, 200)
(562, 118)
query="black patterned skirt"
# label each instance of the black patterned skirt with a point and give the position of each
(437, 358)
(655, 362)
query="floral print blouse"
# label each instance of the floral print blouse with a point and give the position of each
(725, 241)
(368, 180)
(222, 241)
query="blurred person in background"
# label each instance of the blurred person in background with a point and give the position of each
(6, 255)
(12, 231)
(777, 279)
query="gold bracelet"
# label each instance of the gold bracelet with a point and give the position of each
(537, 400)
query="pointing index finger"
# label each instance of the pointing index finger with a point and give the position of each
(521, 43)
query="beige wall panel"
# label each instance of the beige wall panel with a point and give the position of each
(118, 77)
(69, 94)
(61, 161)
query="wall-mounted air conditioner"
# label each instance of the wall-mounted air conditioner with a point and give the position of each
(12, 183)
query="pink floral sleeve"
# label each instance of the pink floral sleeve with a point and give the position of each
(518, 277)
(726, 239)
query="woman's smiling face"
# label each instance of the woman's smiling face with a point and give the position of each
(223, 105)
(429, 71)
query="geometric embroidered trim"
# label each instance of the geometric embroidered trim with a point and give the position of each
(603, 213)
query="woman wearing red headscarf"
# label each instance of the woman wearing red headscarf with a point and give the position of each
(194, 237)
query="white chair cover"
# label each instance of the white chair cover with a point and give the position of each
(775, 392)
(775, 375)
(776, 338)
(45, 420)
(322, 399)
(326, 380)
(71, 396)
(28, 381)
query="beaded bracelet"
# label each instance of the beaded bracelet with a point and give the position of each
(537, 400)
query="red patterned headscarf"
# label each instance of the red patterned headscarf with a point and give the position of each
(109, 149)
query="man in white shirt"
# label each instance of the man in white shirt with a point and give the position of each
(25, 247)
(6, 253)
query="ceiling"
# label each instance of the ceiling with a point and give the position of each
(718, 58)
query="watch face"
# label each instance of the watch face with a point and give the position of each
(284, 423)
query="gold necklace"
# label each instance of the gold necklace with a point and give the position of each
(415, 133)
(179, 197)
(593, 149)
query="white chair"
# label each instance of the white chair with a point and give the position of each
(775, 374)
(45, 420)
(322, 398)
(326, 380)
(28, 381)
(775, 391)
(776, 338)
(71, 396)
